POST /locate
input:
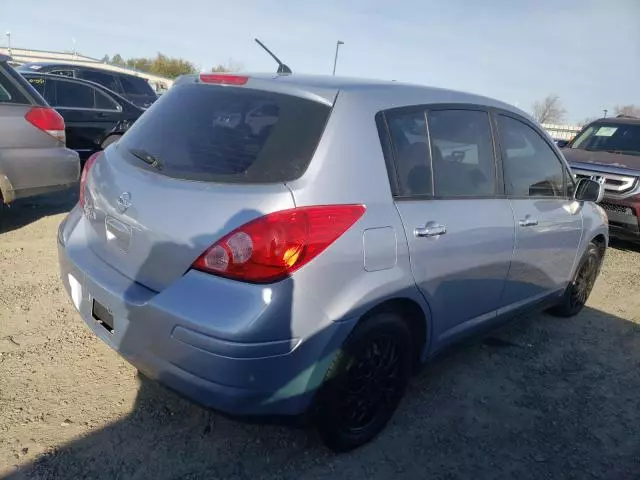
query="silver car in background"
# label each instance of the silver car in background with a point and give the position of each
(33, 157)
(309, 265)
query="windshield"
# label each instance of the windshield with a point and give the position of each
(607, 137)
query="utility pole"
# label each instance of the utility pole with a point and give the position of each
(335, 59)
(9, 43)
(605, 112)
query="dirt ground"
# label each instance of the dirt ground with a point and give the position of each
(541, 398)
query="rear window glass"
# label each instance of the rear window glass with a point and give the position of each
(227, 134)
(135, 86)
(9, 93)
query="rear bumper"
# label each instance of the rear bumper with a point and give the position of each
(175, 336)
(623, 218)
(35, 171)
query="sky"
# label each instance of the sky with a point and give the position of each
(585, 51)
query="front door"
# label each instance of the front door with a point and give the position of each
(548, 220)
(459, 231)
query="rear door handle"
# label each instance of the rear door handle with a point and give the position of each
(528, 222)
(430, 230)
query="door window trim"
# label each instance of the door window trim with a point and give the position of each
(495, 112)
(391, 160)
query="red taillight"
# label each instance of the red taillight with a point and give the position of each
(85, 172)
(47, 120)
(223, 78)
(272, 247)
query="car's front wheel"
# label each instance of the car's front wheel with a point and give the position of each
(365, 382)
(578, 291)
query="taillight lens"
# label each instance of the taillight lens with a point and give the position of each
(83, 177)
(223, 78)
(272, 247)
(47, 120)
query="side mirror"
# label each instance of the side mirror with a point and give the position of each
(562, 143)
(588, 190)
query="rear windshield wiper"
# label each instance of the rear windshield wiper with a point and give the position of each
(147, 158)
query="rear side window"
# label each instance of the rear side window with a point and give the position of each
(408, 133)
(63, 73)
(445, 153)
(106, 79)
(531, 168)
(215, 133)
(135, 86)
(103, 102)
(462, 153)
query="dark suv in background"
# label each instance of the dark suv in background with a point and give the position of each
(608, 150)
(135, 89)
(94, 116)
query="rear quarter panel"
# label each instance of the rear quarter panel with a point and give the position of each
(30, 158)
(349, 168)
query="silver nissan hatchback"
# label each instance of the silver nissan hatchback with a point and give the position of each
(285, 245)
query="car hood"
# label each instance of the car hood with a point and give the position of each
(602, 158)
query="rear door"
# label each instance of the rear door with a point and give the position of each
(459, 230)
(87, 112)
(183, 176)
(548, 220)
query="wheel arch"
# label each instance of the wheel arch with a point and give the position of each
(414, 316)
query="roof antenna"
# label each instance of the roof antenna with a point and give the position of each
(282, 68)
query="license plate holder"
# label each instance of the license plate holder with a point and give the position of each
(103, 316)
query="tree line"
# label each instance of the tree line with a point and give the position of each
(165, 65)
(550, 110)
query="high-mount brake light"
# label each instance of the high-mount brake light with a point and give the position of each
(223, 78)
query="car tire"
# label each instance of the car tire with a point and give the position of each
(365, 382)
(109, 140)
(577, 292)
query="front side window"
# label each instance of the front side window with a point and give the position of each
(410, 143)
(462, 153)
(73, 95)
(531, 168)
(608, 137)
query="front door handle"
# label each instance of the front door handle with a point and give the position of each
(430, 230)
(528, 222)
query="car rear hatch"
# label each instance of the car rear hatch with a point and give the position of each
(202, 161)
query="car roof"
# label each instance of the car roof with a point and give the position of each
(380, 94)
(620, 119)
(4, 58)
(80, 80)
(28, 66)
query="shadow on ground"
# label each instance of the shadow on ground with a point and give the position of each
(624, 245)
(539, 398)
(23, 212)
